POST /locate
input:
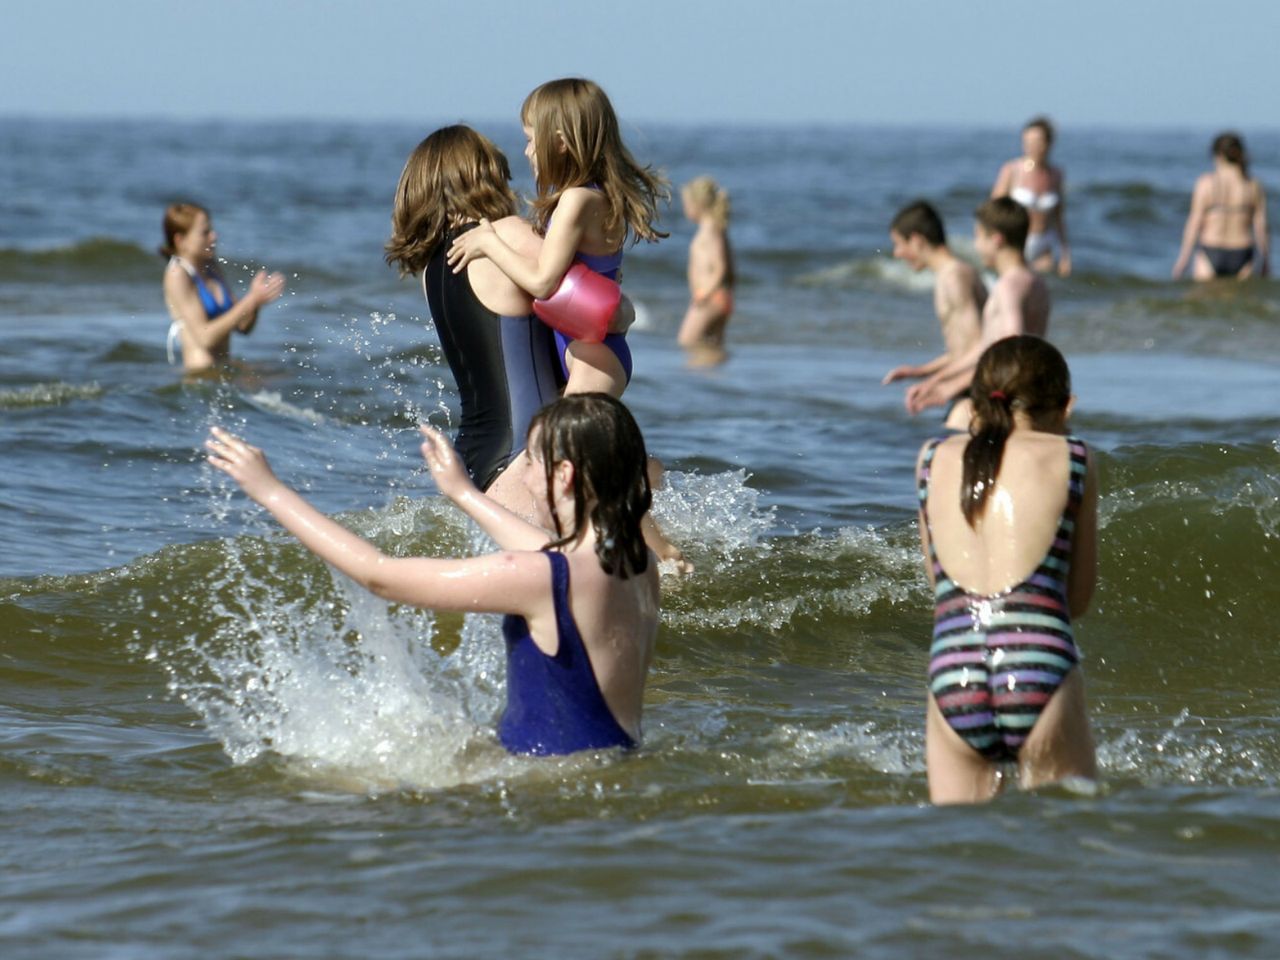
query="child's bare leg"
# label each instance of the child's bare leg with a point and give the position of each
(696, 326)
(956, 773)
(594, 368)
(1060, 744)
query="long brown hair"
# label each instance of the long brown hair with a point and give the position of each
(578, 112)
(598, 435)
(1025, 372)
(178, 218)
(455, 172)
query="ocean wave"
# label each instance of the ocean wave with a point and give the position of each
(95, 260)
(53, 394)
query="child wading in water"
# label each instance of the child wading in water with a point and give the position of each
(711, 273)
(1008, 525)
(591, 195)
(582, 609)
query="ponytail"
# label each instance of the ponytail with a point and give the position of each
(984, 451)
(1025, 372)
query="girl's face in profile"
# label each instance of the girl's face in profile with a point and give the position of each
(530, 150)
(198, 243)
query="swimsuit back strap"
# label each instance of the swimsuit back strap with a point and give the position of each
(926, 466)
(566, 626)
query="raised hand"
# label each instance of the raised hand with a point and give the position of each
(245, 464)
(444, 463)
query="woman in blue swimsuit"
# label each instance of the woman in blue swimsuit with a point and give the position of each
(582, 602)
(203, 312)
(1008, 523)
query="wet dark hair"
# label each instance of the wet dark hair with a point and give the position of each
(1044, 125)
(598, 435)
(920, 218)
(1025, 372)
(1007, 217)
(1230, 147)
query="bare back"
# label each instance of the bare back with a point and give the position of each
(1017, 528)
(1229, 203)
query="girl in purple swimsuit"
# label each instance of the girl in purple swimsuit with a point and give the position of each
(599, 194)
(582, 603)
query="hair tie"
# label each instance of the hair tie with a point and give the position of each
(997, 395)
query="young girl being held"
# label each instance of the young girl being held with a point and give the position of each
(1008, 525)
(582, 609)
(711, 273)
(204, 313)
(591, 194)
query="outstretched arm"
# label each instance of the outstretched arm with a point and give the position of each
(508, 530)
(499, 583)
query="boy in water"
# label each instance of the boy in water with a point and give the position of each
(1018, 304)
(958, 293)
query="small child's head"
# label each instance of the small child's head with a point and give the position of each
(1230, 147)
(575, 141)
(180, 220)
(1023, 373)
(1002, 222)
(916, 230)
(701, 197)
(589, 444)
(454, 176)
(1037, 139)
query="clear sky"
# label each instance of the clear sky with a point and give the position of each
(1169, 63)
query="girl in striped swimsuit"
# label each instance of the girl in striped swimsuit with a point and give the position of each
(1011, 552)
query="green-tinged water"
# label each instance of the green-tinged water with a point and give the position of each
(213, 746)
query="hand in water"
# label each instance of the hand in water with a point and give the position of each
(245, 464)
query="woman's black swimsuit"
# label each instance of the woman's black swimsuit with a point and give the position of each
(505, 367)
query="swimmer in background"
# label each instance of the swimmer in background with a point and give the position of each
(959, 294)
(1008, 527)
(1038, 186)
(1018, 304)
(711, 273)
(203, 310)
(1226, 233)
(582, 604)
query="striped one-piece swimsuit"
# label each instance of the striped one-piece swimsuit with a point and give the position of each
(997, 659)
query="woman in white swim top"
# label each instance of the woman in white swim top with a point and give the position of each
(1036, 184)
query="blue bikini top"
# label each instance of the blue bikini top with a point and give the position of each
(554, 703)
(213, 308)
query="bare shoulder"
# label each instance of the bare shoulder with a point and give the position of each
(517, 233)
